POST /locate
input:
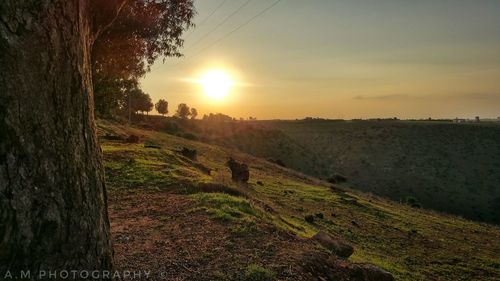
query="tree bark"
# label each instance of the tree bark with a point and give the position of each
(53, 210)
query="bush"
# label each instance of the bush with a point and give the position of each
(255, 272)
(413, 202)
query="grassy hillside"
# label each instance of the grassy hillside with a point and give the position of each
(453, 168)
(168, 214)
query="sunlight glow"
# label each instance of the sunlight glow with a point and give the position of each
(216, 84)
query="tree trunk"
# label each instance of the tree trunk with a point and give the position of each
(53, 210)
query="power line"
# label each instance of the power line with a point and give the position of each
(213, 12)
(220, 24)
(207, 18)
(236, 29)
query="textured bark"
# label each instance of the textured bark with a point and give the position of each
(53, 212)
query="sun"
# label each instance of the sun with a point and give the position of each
(216, 84)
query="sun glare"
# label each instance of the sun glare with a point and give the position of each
(216, 84)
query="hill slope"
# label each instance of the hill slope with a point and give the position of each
(166, 217)
(448, 167)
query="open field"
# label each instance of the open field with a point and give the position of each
(164, 216)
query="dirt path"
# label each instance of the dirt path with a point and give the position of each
(159, 232)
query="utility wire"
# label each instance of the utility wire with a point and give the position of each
(207, 18)
(220, 24)
(236, 29)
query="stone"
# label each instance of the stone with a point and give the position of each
(333, 244)
(239, 171)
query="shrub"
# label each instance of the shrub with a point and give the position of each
(413, 202)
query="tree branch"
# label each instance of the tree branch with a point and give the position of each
(101, 27)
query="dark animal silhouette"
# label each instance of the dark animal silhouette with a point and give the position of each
(239, 171)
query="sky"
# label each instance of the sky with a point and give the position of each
(340, 59)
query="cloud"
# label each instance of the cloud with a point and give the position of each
(461, 96)
(384, 97)
(478, 96)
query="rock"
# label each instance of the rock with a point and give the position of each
(337, 178)
(336, 246)
(112, 137)
(132, 139)
(368, 272)
(324, 266)
(189, 153)
(239, 171)
(309, 218)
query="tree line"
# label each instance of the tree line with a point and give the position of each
(183, 110)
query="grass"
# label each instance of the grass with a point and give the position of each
(255, 272)
(226, 207)
(230, 209)
(443, 247)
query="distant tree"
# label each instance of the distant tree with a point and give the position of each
(162, 107)
(139, 101)
(194, 113)
(217, 118)
(148, 105)
(183, 111)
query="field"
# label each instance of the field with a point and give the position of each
(169, 215)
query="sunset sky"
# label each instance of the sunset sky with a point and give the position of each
(340, 59)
